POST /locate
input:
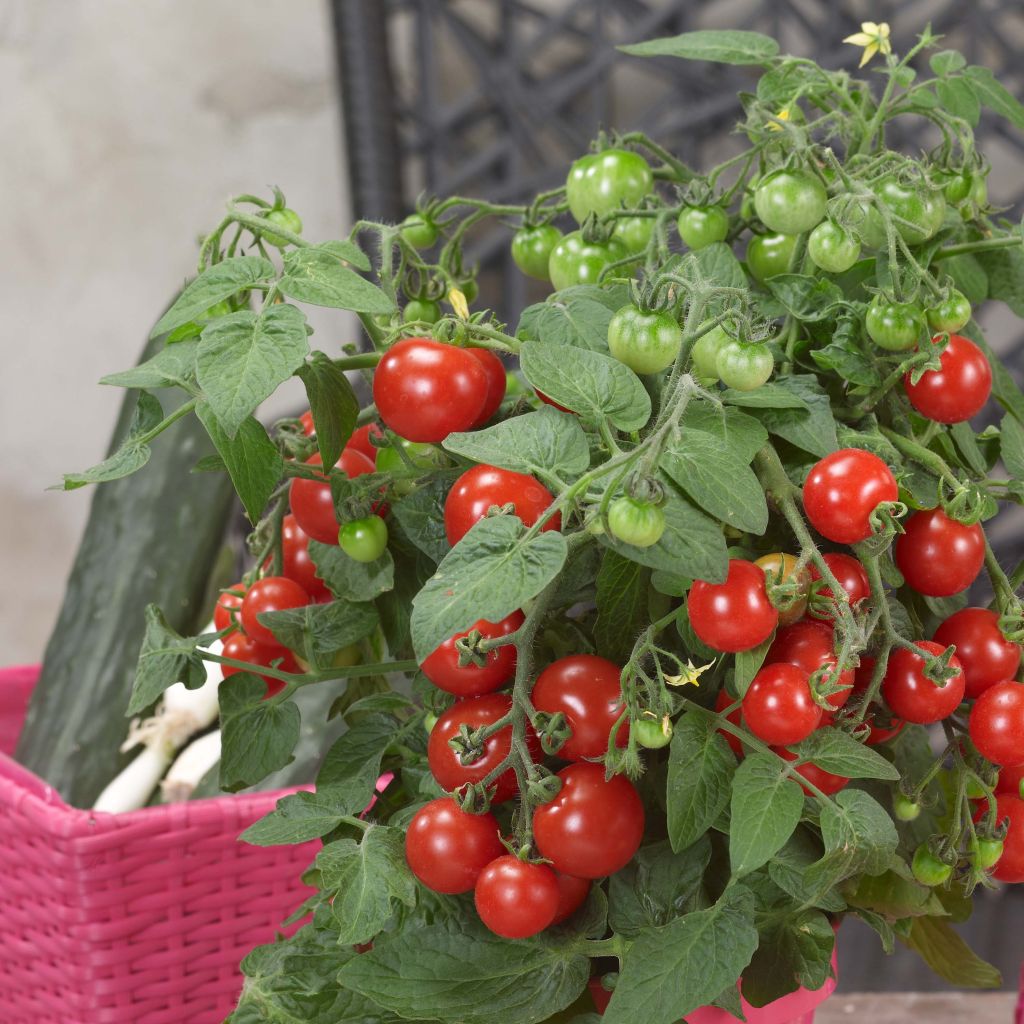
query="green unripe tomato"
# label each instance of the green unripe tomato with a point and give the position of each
(429, 721)
(364, 540)
(531, 249)
(652, 733)
(574, 261)
(344, 657)
(986, 853)
(917, 213)
(419, 232)
(790, 201)
(928, 869)
(635, 522)
(513, 385)
(894, 326)
(633, 233)
(425, 310)
(285, 218)
(973, 789)
(700, 226)
(951, 314)
(645, 342)
(768, 255)
(904, 808)
(704, 354)
(602, 182)
(957, 187)
(469, 288)
(979, 191)
(832, 248)
(424, 458)
(745, 367)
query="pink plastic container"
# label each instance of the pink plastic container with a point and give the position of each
(138, 918)
(796, 1008)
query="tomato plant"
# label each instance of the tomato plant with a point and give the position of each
(269, 594)
(746, 489)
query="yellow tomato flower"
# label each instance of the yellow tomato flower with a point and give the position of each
(782, 115)
(874, 38)
(690, 675)
(458, 302)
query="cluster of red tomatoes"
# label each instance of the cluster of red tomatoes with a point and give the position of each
(938, 557)
(591, 829)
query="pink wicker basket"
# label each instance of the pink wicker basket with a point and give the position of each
(138, 918)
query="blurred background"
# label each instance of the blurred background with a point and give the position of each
(127, 123)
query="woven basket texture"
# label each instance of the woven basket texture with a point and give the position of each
(138, 918)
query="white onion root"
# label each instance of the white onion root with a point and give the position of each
(190, 767)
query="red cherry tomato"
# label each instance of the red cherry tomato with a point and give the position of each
(360, 441)
(823, 780)
(515, 899)
(986, 655)
(482, 487)
(997, 724)
(809, 645)
(594, 826)
(911, 695)
(721, 703)
(475, 712)
(1010, 866)
(443, 670)
(937, 555)
(426, 390)
(446, 848)
(959, 390)
(1010, 779)
(496, 383)
(225, 613)
(243, 648)
(306, 419)
(843, 489)
(550, 401)
(586, 690)
(572, 894)
(311, 501)
(295, 561)
(270, 594)
(778, 707)
(851, 577)
(879, 733)
(735, 615)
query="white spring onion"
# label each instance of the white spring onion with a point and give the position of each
(189, 768)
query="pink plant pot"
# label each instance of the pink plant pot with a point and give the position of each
(139, 917)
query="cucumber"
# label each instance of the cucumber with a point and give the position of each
(152, 537)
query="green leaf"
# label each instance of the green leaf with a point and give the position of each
(132, 454)
(788, 870)
(172, 366)
(796, 951)
(718, 480)
(741, 432)
(718, 46)
(357, 754)
(859, 836)
(992, 94)
(768, 396)
(461, 972)
(366, 880)
(592, 385)
(333, 404)
(348, 579)
(838, 752)
(656, 886)
(847, 359)
(421, 517)
(165, 658)
(490, 573)
(668, 972)
(960, 98)
(213, 285)
(1005, 270)
(693, 544)
(348, 251)
(542, 442)
(748, 664)
(764, 811)
(700, 773)
(250, 457)
(968, 447)
(807, 298)
(258, 736)
(244, 357)
(318, 277)
(949, 956)
(316, 631)
(945, 62)
(718, 263)
(893, 896)
(575, 316)
(1011, 445)
(814, 430)
(301, 817)
(622, 592)
(969, 276)
(1004, 387)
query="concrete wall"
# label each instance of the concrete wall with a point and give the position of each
(125, 124)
